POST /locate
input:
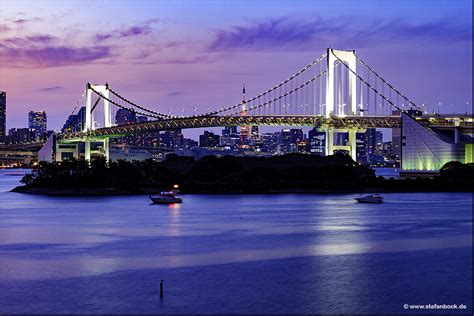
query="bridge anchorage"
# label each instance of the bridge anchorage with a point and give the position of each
(337, 93)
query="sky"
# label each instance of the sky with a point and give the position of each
(170, 55)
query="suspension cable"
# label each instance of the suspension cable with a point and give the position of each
(285, 94)
(124, 107)
(386, 82)
(140, 107)
(367, 84)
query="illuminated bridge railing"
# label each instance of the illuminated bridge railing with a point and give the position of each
(220, 121)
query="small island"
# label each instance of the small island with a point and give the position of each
(293, 173)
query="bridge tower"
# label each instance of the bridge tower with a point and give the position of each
(348, 57)
(102, 89)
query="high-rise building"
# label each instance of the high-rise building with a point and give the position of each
(361, 152)
(378, 143)
(124, 116)
(290, 138)
(254, 135)
(316, 142)
(208, 139)
(20, 136)
(271, 142)
(3, 116)
(370, 141)
(37, 123)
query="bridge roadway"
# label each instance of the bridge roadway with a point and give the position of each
(216, 121)
(346, 122)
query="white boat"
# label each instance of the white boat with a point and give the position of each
(373, 198)
(167, 197)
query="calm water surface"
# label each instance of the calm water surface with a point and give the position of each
(233, 253)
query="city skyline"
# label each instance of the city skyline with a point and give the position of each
(242, 44)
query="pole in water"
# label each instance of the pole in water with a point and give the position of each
(161, 288)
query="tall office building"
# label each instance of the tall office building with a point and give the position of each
(20, 136)
(290, 139)
(3, 116)
(361, 146)
(37, 123)
(254, 135)
(316, 142)
(371, 141)
(124, 116)
(208, 139)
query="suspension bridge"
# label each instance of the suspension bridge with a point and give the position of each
(337, 92)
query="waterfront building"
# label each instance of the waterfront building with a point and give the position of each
(18, 136)
(3, 117)
(37, 122)
(428, 149)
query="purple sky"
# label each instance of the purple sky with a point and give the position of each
(170, 55)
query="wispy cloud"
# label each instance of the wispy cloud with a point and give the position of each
(26, 20)
(53, 56)
(291, 35)
(175, 94)
(52, 89)
(131, 31)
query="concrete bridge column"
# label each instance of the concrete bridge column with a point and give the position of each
(352, 143)
(106, 149)
(329, 141)
(87, 151)
(66, 148)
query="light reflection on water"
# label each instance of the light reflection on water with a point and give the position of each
(46, 237)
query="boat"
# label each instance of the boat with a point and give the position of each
(372, 198)
(167, 197)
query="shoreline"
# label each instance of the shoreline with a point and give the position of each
(147, 191)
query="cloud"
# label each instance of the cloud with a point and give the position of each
(53, 56)
(198, 59)
(43, 39)
(136, 30)
(52, 89)
(286, 34)
(4, 28)
(131, 31)
(174, 94)
(24, 21)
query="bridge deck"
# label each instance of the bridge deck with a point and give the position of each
(274, 120)
(216, 121)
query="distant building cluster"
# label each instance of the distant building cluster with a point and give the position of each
(238, 141)
(370, 147)
(35, 132)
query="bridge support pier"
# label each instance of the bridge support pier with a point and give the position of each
(352, 141)
(106, 149)
(87, 150)
(61, 149)
(329, 141)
